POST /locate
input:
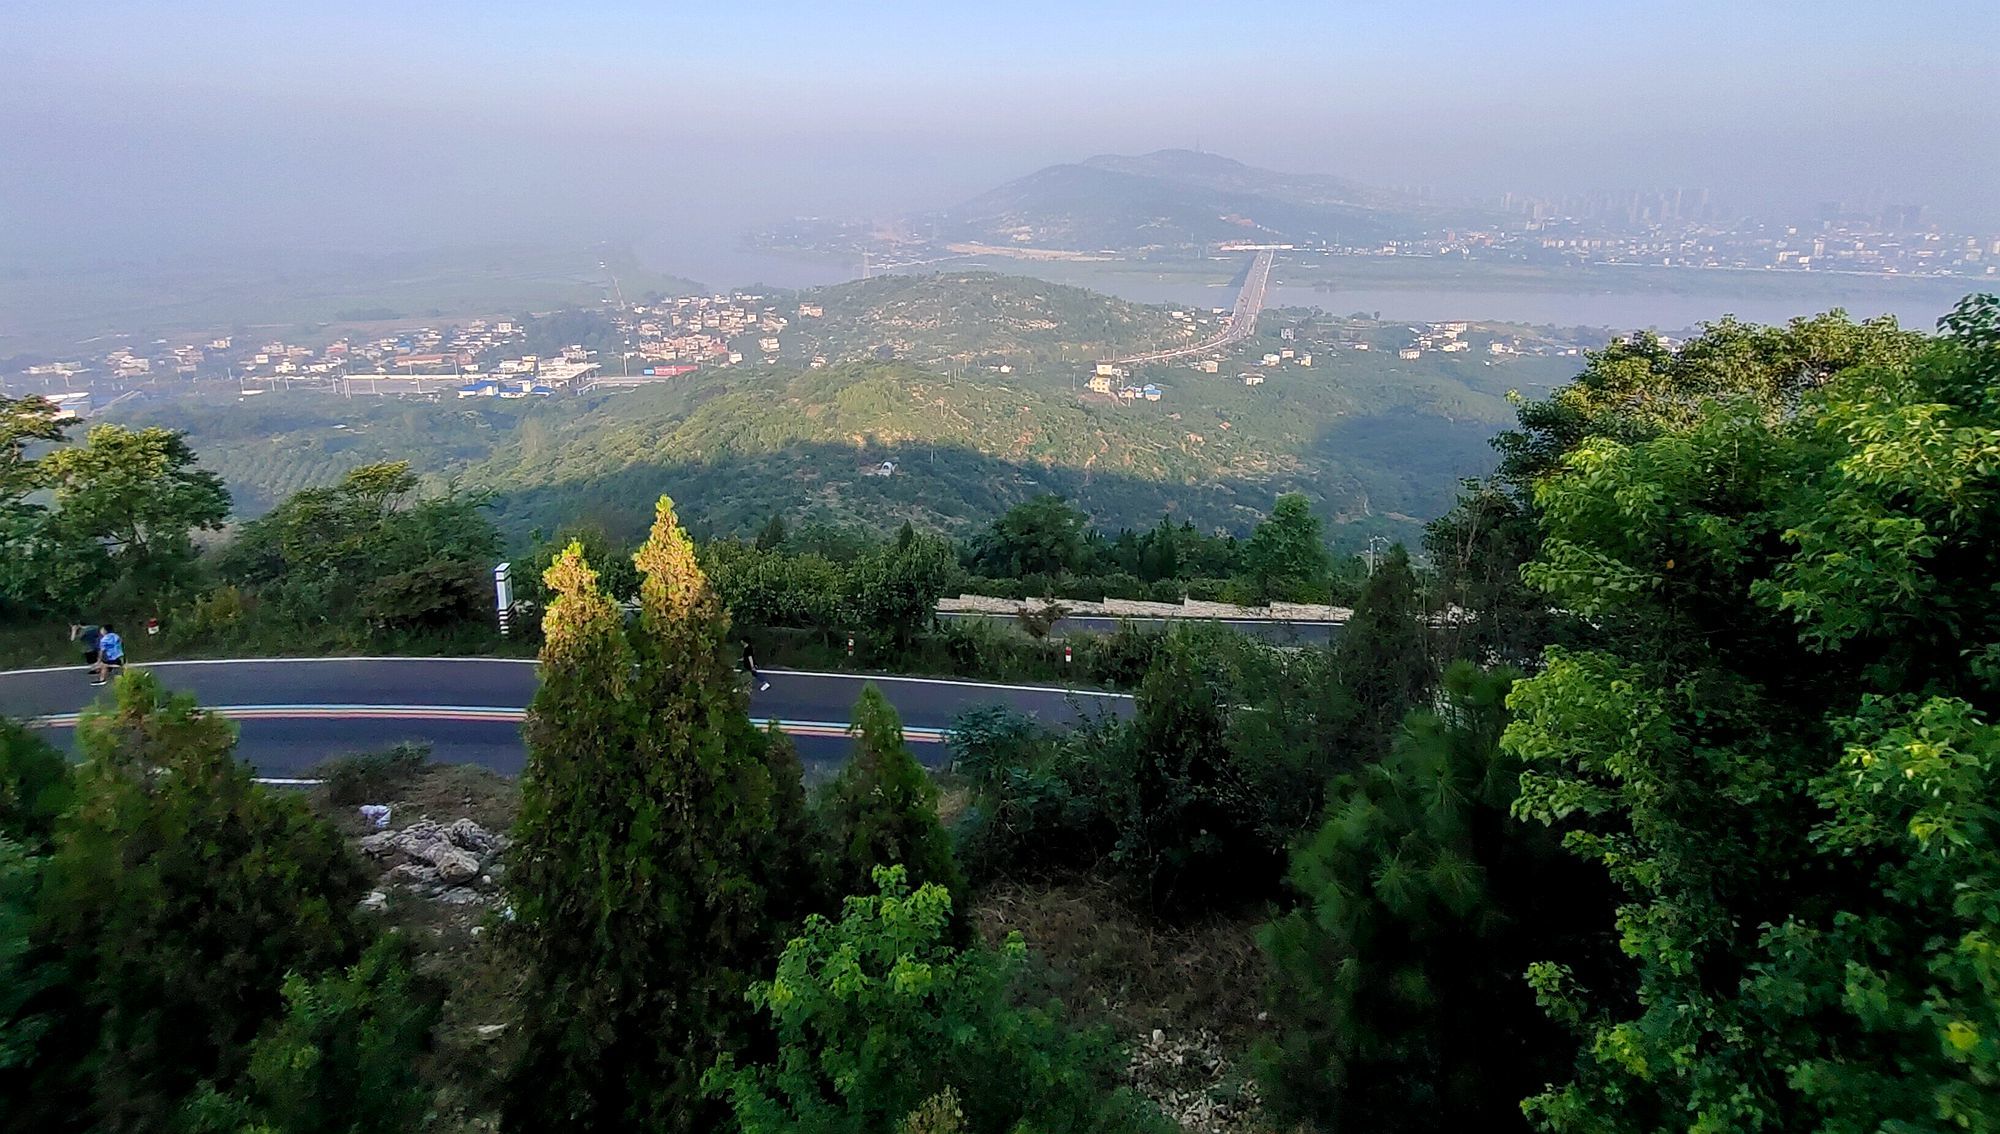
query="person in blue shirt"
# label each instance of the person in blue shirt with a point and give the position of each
(110, 654)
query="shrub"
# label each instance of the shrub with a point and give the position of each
(180, 893)
(1208, 590)
(1039, 620)
(881, 809)
(883, 1024)
(1043, 800)
(1121, 657)
(370, 777)
(35, 786)
(343, 1059)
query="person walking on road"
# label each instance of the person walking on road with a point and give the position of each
(86, 636)
(110, 654)
(750, 664)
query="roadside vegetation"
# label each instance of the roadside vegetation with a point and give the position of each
(1687, 819)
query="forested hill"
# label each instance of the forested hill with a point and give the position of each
(1175, 198)
(977, 318)
(740, 445)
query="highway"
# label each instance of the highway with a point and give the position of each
(1242, 318)
(295, 712)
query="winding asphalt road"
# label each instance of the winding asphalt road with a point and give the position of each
(295, 712)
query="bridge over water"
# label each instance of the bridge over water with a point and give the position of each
(1241, 324)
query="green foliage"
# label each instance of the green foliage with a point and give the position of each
(763, 587)
(879, 1015)
(1044, 536)
(25, 424)
(881, 810)
(1780, 751)
(772, 536)
(1634, 388)
(1044, 801)
(1396, 986)
(643, 861)
(896, 590)
(179, 894)
(1286, 557)
(368, 550)
(24, 974)
(1383, 655)
(371, 777)
(108, 523)
(612, 561)
(35, 786)
(1190, 835)
(344, 1058)
(1476, 552)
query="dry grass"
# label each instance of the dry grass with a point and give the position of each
(1108, 963)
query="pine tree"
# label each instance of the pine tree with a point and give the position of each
(1383, 658)
(180, 893)
(882, 808)
(642, 884)
(1397, 1001)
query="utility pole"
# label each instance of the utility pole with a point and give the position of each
(1373, 541)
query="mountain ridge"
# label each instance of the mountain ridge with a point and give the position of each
(1176, 198)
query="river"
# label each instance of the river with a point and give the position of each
(723, 261)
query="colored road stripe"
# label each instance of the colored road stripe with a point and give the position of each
(463, 714)
(832, 674)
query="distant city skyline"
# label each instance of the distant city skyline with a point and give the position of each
(204, 125)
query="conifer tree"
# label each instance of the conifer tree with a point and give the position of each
(882, 808)
(180, 893)
(644, 873)
(1383, 657)
(1397, 1002)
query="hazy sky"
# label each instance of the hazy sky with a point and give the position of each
(189, 124)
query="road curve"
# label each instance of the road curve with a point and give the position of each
(295, 712)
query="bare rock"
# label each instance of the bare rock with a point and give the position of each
(470, 836)
(413, 874)
(454, 865)
(375, 901)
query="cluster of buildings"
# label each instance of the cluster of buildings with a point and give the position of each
(1113, 380)
(697, 329)
(1664, 237)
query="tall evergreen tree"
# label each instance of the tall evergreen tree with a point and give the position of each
(882, 808)
(1396, 990)
(641, 885)
(1383, 658)
(179, 893)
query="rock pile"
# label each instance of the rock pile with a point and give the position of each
(1194, 1083)
(454, 862)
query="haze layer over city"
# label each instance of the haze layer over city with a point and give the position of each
(220, 130)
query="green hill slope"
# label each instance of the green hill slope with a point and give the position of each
(975, 318)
